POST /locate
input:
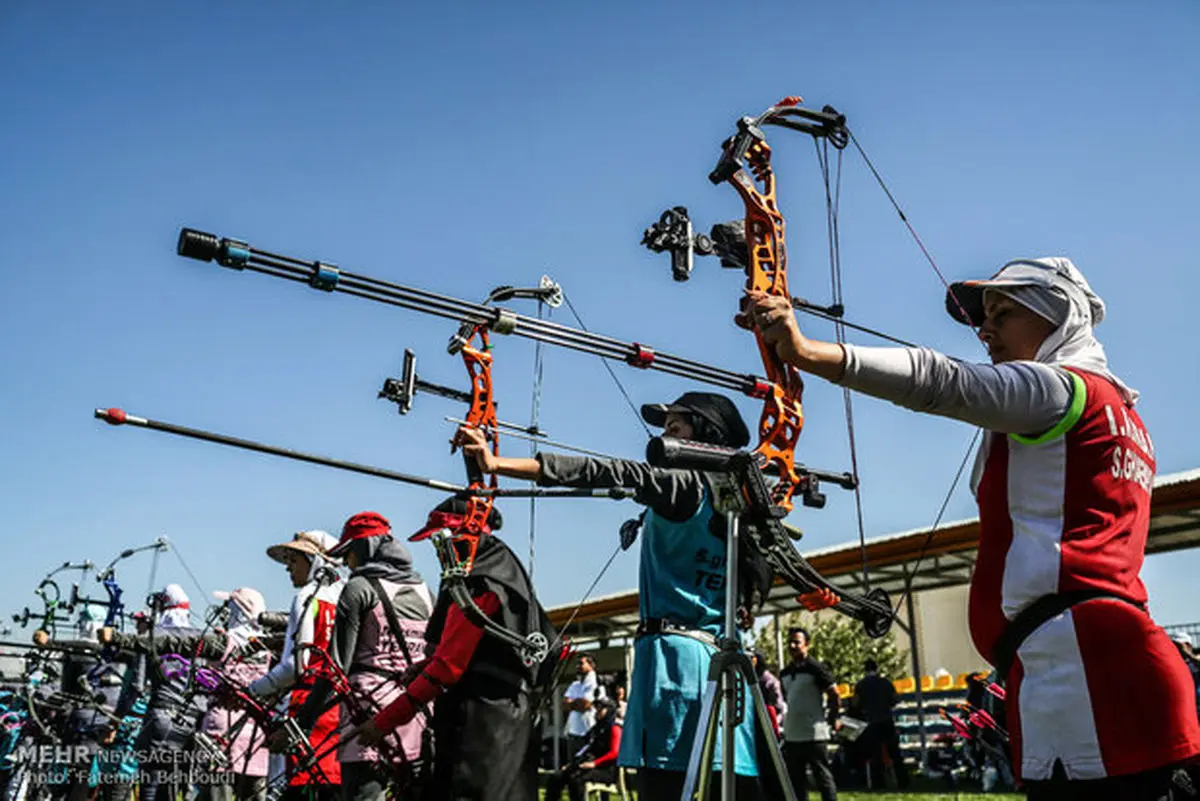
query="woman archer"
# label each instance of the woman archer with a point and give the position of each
(681, 587)
(483, 694)
(1098, 703)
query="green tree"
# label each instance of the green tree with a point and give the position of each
(841, 643)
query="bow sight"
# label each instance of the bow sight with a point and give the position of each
(403, 392)
(673, 234)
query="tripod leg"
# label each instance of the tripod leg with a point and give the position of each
(704, 742)
(729, 688)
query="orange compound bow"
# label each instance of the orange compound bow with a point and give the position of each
(745, 163)
(472, 343)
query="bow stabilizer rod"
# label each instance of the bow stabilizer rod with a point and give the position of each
(238, 255)
(119, 417)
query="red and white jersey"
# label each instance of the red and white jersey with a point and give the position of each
(310, 622)
(1100, 687)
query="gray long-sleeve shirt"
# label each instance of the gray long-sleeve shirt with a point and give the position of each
(673, 494)
(1020, 397)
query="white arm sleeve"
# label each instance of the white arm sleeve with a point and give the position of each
(1012, 398)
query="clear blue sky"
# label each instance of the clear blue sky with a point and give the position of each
(460, 146)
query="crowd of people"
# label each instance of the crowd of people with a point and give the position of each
(374, 687)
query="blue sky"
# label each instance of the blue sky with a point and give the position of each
(460, 147)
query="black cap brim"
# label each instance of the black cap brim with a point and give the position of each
(964, 302)
(656, 413)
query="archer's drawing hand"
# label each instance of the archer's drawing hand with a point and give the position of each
(775, 320)
(40, 638)
(475, 445)
(105, 635)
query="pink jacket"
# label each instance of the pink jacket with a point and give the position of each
(379, 653)
(247, 752)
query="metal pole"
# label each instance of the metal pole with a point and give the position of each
(728, 681)
(916, 666)
(558, 727)
(628, 665)
(778, 643)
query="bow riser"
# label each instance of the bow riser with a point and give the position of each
(782, 417)
(482, 415)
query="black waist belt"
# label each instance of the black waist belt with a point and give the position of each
(661, 625)
(1031, 618)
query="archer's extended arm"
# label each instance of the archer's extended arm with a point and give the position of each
(1018, 397)
(209, 646)
(674, 494)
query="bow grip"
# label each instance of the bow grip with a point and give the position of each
(474, 474)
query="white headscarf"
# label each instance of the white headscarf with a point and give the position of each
(325, 541)
(245, 605)
(175, 613)
(1054, 288)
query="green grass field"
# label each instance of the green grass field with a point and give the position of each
(928, 797)
(923, 789)
(853, 796)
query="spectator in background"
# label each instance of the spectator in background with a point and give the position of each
(596, 761)
(578, 701)
(619, 697)
(812, 711)
(772, 692)
(874, 699)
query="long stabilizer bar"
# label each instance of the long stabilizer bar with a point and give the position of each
(119, 417)
(239, 255)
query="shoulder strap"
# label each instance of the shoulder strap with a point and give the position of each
(389, 612)
(1031, 618)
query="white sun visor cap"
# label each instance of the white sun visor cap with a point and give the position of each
(964, 299)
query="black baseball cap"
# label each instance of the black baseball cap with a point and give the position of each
(716, 409)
